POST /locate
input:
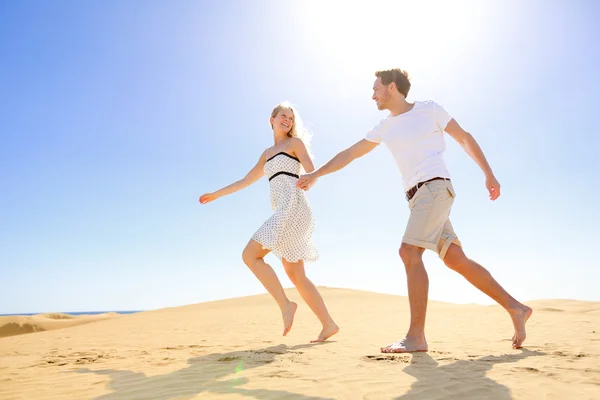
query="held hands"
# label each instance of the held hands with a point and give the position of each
(493, 186)
(207, 198)
(306, 181)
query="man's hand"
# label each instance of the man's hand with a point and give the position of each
(306, 181)
(493, 186)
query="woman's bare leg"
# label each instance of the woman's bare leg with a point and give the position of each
(253, 257)
(312, 297)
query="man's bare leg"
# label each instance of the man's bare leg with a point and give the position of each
(253, 257)
(479, 277)
(312, 297)
(418, 288)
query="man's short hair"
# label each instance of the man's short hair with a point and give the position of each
(398, 76)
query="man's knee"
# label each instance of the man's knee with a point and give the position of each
(410, 254)
(455, 258)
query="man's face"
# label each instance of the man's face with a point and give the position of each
(381, 94)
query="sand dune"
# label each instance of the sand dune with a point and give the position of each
(573, 306)
(232, 349)
(18, 325)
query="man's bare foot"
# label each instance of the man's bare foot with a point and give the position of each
(288, 317)
(519, 318)
(406, 345)
(327, 332)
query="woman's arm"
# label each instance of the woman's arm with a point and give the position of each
(299, 150)
(255, 174)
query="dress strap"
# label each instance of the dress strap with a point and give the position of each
(284, 147)
(288, 143)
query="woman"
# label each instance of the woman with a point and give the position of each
(288, 232)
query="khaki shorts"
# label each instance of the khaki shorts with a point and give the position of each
(429, 224)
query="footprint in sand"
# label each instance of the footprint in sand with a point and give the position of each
(388, 358)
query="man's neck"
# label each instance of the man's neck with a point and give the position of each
(400, 107)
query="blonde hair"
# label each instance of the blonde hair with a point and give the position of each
(298, 129)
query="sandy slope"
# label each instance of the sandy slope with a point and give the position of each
(18, 325)
(232, 349)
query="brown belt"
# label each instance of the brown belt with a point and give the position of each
(411, 192)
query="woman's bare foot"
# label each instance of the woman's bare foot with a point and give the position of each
(519, 318)
(406, 345)
(327, 332)
(288, 317)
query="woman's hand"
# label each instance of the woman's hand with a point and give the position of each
(306, 181)
(208, 197)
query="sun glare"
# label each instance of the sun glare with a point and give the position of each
(361, 37)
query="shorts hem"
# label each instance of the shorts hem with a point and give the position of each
(420, 243)
(448, 241)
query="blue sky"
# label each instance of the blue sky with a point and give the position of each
(117, 116)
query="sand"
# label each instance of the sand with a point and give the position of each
(233, 349)
(21, 324)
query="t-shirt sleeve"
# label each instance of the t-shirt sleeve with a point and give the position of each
(441, 116)
(375, 135)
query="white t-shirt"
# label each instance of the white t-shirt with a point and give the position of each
(416, 140)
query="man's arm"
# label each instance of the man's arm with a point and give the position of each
(338, 162)
(471, 147)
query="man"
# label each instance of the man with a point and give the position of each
(414, 134)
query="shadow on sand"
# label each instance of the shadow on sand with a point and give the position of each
(463, 379)
(202, 376)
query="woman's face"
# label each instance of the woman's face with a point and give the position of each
(283, 121)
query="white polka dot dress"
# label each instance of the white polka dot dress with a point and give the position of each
(288, 233)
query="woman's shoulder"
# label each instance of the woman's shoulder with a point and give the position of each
(296, 142)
